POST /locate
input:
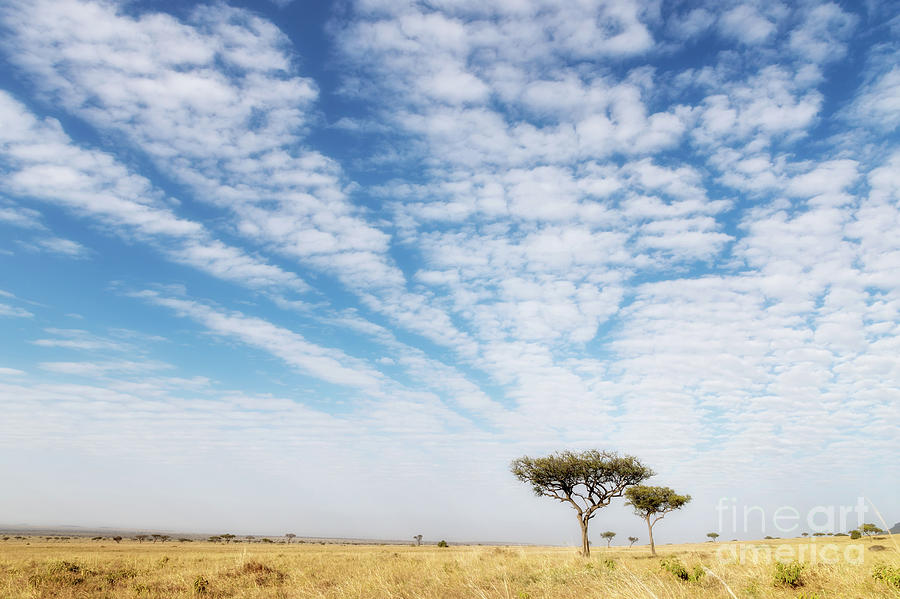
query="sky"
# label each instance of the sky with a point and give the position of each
(327, 268)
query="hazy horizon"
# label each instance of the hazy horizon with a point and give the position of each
(329, 267)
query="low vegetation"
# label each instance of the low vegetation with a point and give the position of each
(36, 568)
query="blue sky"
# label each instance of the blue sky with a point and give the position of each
(328, 268)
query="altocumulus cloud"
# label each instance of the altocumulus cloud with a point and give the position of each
(457, 232)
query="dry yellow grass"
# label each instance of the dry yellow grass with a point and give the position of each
(68, 569)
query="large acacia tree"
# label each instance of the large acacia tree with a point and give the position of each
(587, 481)
(653, 503)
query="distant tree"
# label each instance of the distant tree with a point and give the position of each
(653, 503)
(96, 538)
(140, 538)
(117, 539)
(818, 534)
(804, 534)
(855, 534)
(290, 536)
(588, 480)
(632, 541)
(713, 536)
(227, 537)
(418, 539)
(609, 536)
(443, 543)
(870, 529)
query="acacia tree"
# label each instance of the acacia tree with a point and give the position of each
(713, 536)
(632, 540)
(418, 539)
(587, 481)
(868, 529)
(653, 503)
(290, 536)
(609, 536)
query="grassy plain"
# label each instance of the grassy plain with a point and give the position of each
(37, 568)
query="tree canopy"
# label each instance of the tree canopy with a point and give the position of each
(653, 503)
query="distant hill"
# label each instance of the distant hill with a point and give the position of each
(895, 530)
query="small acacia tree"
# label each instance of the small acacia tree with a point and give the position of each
(587, 481)
(653, 503)
(713, 536)
(418, 539)
(870, 529)
(290, 536)
(632, 541)
(609, 536)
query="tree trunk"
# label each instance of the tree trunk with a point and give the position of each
(650, 530)
(585, 544)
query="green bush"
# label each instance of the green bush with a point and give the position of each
(443, 543)
(888, 574)
(789, 575)
(678, 570)
(855, 534)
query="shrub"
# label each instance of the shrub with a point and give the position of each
(855, 534)
(789, 575)
(443, 543)
(201, 585)
(263, 575)
(120, 575)
(679, 571)
(887, 574)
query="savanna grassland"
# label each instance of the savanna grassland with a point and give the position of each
(37, 568)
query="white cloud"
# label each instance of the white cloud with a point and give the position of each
(81, 340)
(878, 102)
(14, 312)
(45, 164)
(746, 24)
(822, 35)
(19, 216)
(60, 246)
(99, 369)
(327, 364)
